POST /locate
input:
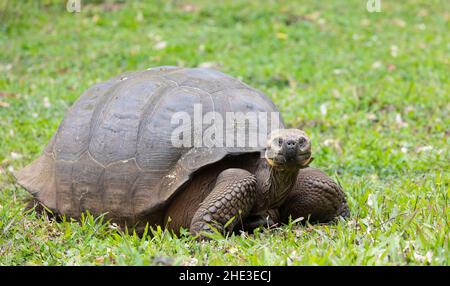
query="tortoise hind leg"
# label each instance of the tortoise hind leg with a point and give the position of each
(230, 201)
(315, 197)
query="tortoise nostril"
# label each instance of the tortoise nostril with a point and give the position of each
(291, 143)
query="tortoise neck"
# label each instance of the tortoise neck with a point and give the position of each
(282, 182)
(273, 185)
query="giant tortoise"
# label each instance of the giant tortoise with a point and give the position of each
(113, 155)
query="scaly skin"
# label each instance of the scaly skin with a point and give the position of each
(316, 197)
(233, 196)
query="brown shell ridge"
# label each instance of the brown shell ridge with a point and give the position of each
(99, 186)
(104, 88)
(144, 90)
(194, 87)
(99, 112)
(149, 110)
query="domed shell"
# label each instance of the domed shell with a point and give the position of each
(113, 153)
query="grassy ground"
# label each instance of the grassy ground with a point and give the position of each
(371, 88)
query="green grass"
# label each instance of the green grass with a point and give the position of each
(372, 89)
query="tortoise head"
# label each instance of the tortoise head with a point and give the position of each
(288, 149)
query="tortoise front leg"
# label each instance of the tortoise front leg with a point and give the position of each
(233, 197)
(315, 197)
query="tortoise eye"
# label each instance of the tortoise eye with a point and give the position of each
(279, 141)
(301, 141)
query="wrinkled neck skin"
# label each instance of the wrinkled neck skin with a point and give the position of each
(273, 185)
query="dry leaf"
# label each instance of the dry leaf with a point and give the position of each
(365, 22)
(400, 122)
(377, 65)
(391, 67)
(47, 102)
(191, 262)
(140, 16)
(282, 36)
(422, 13)
(313, 16)
(421, 26)
(209, 65)
(371, 116)
(189, 8)
(394, 51)
(15, 155)
(334, 143)
(424, 148)
(399, 22)
(6, 67)
(160, 45)
(7, 94)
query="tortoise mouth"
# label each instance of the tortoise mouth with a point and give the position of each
(305, 158)
(298, 161)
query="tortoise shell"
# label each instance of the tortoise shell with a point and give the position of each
(112, 153)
